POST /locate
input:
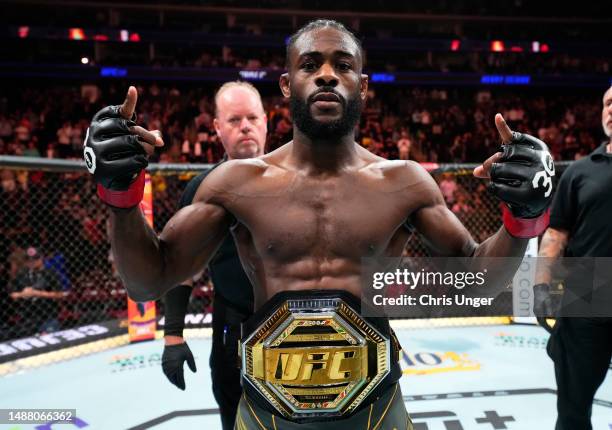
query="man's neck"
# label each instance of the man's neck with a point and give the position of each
(609, 147)
(317, 157)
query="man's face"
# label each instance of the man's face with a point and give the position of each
(34, 263)
(241, 123)
(324, 84)
(606, 113)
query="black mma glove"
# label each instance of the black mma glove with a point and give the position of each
(115, 158)
(116, 151)
(173, 358)
(522, 179)
(545, 304)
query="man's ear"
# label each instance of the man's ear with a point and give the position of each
(216, 125)
(364, 87)
(285, 87)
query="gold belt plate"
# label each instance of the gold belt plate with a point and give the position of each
(315, 358)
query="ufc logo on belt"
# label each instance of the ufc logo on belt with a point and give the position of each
(315, 366)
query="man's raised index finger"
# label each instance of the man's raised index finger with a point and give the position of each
(502, 128)
(129, 105)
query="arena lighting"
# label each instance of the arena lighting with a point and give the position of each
(84, 60)
(497, 46)
(516, 49)
(124, 35)
(544, 47)
(505, 79)
(76, 34)
(455, 44)
(382, 77)
(134, 37)
(23, 32)
(113, 72)
(100, 37)
(535, 46)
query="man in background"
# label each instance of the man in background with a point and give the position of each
(241, 124)
(36, 291)
(581, 347)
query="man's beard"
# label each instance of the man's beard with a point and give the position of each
(317, 130)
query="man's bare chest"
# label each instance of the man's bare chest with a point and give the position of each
(328, 218)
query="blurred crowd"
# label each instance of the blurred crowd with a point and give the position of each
(424, 124)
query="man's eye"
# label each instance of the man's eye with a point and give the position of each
(308, 65)
(344, 66)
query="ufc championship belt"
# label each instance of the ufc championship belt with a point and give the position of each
(310, 355)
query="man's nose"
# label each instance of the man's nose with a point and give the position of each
(245, 125)
(326, 76)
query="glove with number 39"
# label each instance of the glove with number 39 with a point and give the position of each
(521, 177)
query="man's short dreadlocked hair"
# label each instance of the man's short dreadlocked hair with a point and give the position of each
(315, 25)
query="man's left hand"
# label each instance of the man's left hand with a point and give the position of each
(521, 176)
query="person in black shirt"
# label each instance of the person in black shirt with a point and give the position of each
(36, 291)
(241, 124)
(581, 347)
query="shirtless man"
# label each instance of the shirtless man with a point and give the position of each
(301, 216)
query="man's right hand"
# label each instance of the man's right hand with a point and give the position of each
(116, 152)
(173, 358)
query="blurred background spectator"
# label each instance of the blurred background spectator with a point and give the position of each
(35, 291)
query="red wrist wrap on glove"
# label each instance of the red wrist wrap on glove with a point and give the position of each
(124, 199)
(525, 227)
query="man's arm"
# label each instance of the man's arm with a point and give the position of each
(521, 177)
(176, 303)
(446, 236)
(151, 265)
(553, 244)
(177, 299)
(176, 351)
(48, 294)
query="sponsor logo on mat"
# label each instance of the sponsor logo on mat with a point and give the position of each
(428, 363)
(513, 341)
(127, 362)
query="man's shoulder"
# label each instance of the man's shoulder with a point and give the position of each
(246, 168)
(407, 177)
(399, 168)
(230, 178)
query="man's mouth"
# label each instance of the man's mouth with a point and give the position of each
(246, 141)
(326, 100)
(326, 97)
